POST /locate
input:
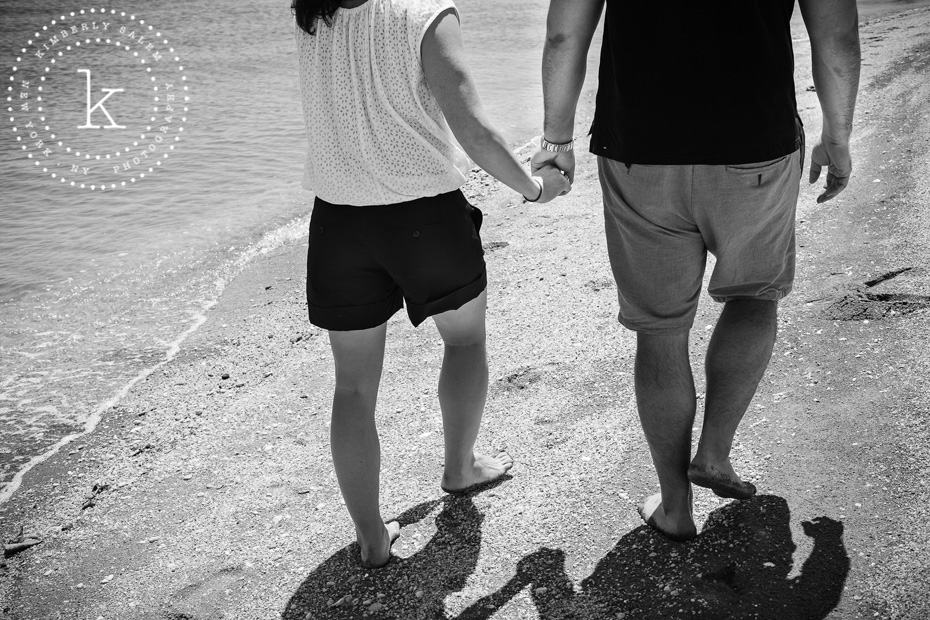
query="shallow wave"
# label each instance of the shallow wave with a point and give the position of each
(27, 422)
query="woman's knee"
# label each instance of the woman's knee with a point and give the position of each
(465, 340)
(356, 385)
(355, 398)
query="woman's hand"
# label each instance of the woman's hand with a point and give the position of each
(552, 183)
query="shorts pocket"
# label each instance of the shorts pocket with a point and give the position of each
(477, 217)
(760, 173)
(757, 167)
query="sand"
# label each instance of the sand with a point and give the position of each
(208, 491)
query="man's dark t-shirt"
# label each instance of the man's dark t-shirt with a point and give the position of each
(690, 82)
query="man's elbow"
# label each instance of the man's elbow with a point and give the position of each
(842, 32)
(846, 37)
(560, 40)
(843, 43)
(557, 38)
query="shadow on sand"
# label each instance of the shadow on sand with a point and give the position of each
(414, 587)
(737, 568)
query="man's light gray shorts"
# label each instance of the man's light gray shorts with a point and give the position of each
(662, 220)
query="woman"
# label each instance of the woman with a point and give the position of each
(382, 83)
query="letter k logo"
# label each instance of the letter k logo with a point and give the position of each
(99, 105)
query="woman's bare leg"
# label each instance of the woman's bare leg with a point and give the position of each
(359, 356)
(463, 390)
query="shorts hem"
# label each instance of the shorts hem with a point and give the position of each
(453, 301)
(654, 330)
(352, 318)
(771, 296)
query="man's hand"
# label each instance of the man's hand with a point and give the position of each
(563, 161)
(553, 182)
(834, 154)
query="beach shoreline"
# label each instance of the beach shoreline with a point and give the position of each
(195, 484)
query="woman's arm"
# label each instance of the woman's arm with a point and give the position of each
(443, 61)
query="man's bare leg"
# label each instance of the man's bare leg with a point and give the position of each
(463, 390)
(359, 356)
(666, 401)
(737, 357)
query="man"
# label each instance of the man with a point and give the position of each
(699, 149)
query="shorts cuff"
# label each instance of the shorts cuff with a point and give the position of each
(656, 331)
(351, 318)
(774, 295)
(453, 301)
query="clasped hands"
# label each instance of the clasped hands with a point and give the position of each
(555, 171)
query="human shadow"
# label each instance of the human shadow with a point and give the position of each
(737, 568)
(414, 587)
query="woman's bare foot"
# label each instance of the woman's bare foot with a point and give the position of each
(482, 470)
(679, 527)
(378, 553)
(720, 478)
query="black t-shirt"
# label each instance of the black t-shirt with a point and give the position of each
(691, 82)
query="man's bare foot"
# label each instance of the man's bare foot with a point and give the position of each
(678, 527)
(483, 470)
(720, 478)
(378, 553)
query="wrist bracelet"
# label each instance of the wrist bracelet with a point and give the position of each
(556, 147)
(538, 182)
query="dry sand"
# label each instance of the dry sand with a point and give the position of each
(201, 496)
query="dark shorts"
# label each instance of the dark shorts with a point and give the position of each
(365, 262)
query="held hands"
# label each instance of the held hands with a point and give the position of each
(834, 154)
(552, 183)
(563, 161)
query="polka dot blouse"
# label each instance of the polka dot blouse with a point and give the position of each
(376, 133)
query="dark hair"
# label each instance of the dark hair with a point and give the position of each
(308, 12)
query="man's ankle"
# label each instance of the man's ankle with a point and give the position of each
(710, 456)
(459, 466)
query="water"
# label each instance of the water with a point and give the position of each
(98, 287)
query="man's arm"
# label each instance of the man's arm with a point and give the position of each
(569, 28)
(833, 26)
